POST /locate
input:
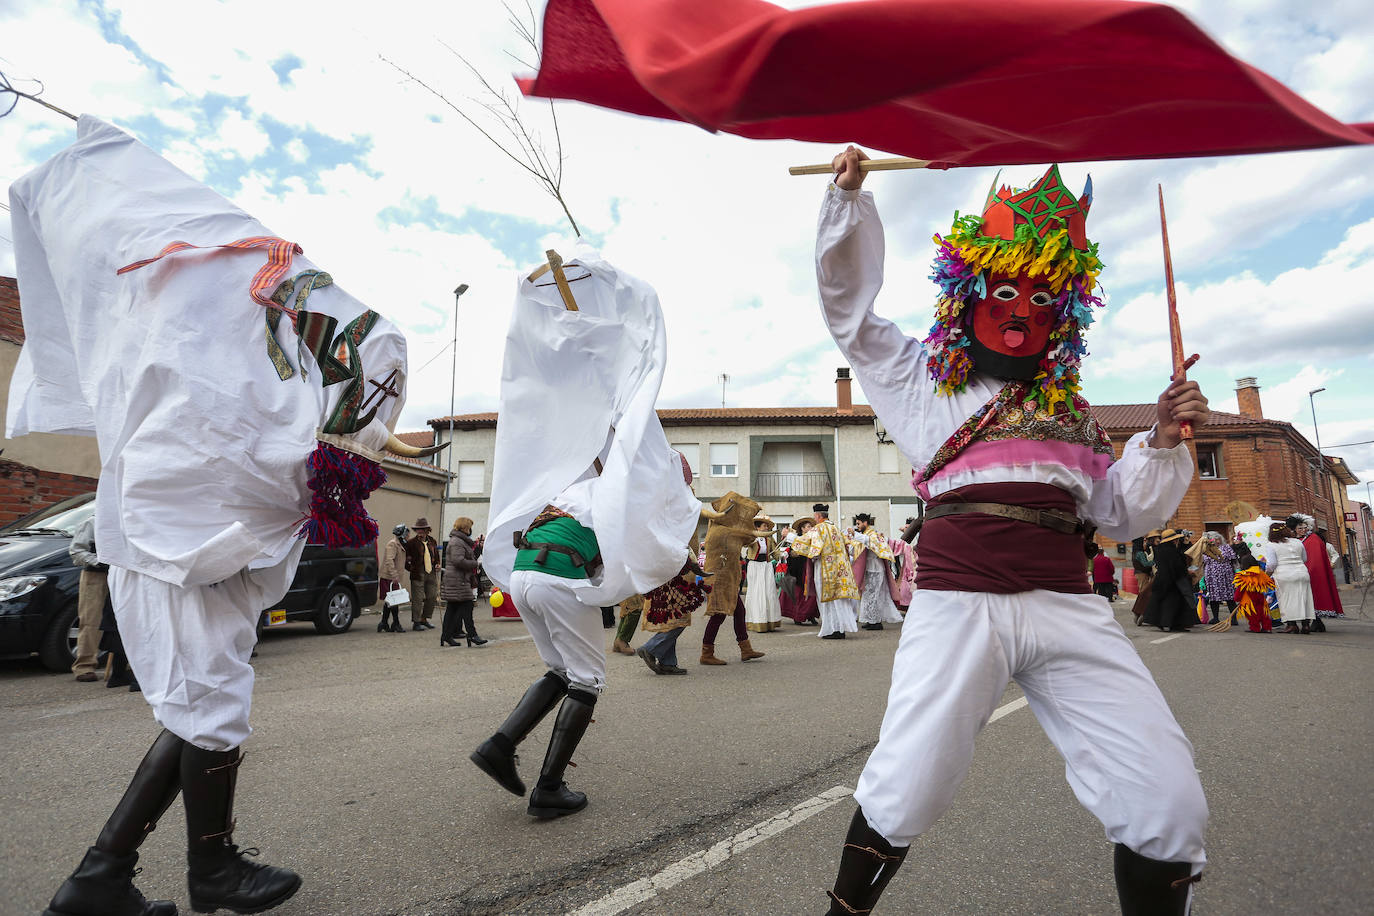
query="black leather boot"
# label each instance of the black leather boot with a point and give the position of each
(218, 874)
(102, 884)
(551, 796)
(496, 756)
(867, 864)
(1148, 887)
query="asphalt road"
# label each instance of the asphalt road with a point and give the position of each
(357, 776)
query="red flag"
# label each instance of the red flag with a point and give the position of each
(949, 80)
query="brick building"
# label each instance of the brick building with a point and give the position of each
(1243, 457)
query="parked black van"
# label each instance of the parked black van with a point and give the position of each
(39, 585)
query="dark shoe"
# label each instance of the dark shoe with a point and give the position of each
(133, 686)
(873, 626)
(1317, 627)
(417, 627)
(673, 669)
(448, 642)
(1290, 628)
(836, 635)
(382, 627)
(427, 625)
(397, 628)
(867, 864)
(1306, 628)
(551, 796)
(218, 873)
(496, 756)
(224, 878)
(87, 677)
(476, 641)
(103, 885)
(1148, 887)
(652, 661)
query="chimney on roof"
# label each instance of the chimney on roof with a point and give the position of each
(1248, 399)
(844, 398)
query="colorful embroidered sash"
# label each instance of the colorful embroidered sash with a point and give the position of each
(279, 255)
(1013, 414)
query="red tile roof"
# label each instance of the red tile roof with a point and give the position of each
(422, 439)
(1142, 416)
(692, 416)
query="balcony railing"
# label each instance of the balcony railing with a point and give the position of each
(803, 485)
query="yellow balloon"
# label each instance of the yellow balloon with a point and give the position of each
(497, 599)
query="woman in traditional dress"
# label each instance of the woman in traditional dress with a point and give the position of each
(1172, 601)
(1142, 561)
(762, 611)
(1326, 601)
(798, 598)
(1286, 560)
(1218, 571)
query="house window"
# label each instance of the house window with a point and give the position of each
(1209, 462)
(888, 459)
(471, 476)
(692, 452)
(724, 459)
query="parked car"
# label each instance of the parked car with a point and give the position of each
(39, 583)
(331, 588)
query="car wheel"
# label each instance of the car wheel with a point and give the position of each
(337, 610)
(57, 651)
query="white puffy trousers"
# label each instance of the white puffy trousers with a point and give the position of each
(1125, 756)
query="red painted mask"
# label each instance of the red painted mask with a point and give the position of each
(1016, 316)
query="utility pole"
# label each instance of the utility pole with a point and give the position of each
(452, 403)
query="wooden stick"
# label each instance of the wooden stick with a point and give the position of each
(1185, 428)
(867, 165)
(564, 290)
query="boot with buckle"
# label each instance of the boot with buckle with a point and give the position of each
(551, 796)
(219, 874)
(102, 884)
(867, 864)
(496, 756)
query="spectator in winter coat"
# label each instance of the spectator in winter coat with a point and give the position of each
(458, 589)
(392, 568)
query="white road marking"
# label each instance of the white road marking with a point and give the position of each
(1155, 642)
(621, 899)
(1007, 710)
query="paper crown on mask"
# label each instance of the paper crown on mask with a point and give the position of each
(1039, 232)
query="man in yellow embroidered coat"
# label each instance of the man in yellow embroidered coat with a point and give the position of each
(836, 589)
(872, 554)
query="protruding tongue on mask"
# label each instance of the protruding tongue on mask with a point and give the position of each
(1013, 338)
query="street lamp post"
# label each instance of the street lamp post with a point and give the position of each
(452, 401)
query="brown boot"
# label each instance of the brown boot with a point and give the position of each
(747, 652)
(622, 647)
(708, 655)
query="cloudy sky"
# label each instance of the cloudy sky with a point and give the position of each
(289, 110)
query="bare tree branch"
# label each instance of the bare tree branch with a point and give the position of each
(524, 147)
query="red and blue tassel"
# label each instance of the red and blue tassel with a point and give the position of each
(340, 482)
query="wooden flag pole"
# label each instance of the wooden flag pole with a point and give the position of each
(867, 165)
(1185, 428)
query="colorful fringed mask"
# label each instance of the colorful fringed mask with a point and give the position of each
(1016, 291)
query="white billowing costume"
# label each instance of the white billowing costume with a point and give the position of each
(1121, 745)
(203, 443)
(1286, 561)
(578, 387)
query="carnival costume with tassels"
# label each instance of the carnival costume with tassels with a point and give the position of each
(239, 407)
(1015, 469)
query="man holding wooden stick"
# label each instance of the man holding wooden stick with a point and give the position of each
(1018, 473)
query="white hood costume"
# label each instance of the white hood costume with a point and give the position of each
(204, 412)
(577, 387)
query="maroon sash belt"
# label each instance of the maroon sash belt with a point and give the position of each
(980, 552)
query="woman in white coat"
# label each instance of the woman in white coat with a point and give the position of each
(1286, 560)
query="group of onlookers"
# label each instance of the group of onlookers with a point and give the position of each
(1182, 582)
(451, 576)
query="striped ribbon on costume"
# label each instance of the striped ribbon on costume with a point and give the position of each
(279, 255)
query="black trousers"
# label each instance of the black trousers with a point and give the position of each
(1104, 589)
(458, 620)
